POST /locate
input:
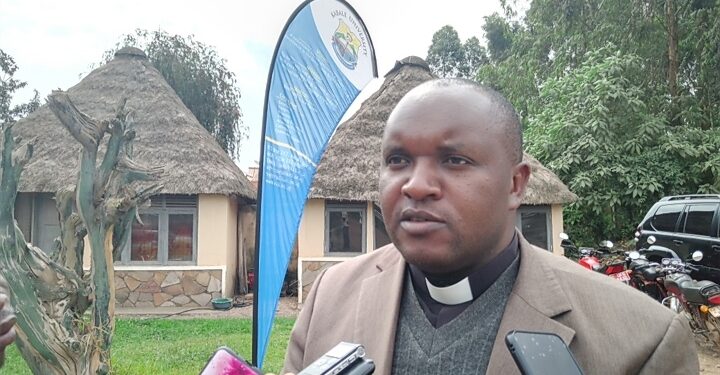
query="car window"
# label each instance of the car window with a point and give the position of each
(666, 217)
(699, 219)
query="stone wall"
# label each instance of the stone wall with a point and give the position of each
(310, 271)
(157, 288)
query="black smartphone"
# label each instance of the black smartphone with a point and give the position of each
(361, 366)
(541, 353)
(225, 361)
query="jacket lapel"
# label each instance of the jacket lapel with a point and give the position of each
(378, 309)
(536, 298)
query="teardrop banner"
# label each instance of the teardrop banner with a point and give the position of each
(323, 59)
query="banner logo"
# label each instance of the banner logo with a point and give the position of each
(346, 45)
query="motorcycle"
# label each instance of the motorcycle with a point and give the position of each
(601, 260)
(645, 275)
(699, 301)
(569, 249)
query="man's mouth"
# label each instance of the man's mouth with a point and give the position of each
(419, 222)
(412, 214)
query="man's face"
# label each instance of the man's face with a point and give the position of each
(448, 185)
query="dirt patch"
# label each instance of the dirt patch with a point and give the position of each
(709, 356)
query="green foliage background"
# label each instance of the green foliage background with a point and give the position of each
(603, 104)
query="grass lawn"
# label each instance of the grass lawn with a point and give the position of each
(172, 346)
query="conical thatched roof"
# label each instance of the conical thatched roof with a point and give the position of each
(167, 133)
(545, 187)
(349, 168)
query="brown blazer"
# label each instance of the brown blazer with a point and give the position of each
(610, 327)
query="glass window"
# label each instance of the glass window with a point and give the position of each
(144, 239)
(345, 228)
(381, 236)
(699, 219)
(180, 237)
(168, 235)
(666, 217)
(534, 225)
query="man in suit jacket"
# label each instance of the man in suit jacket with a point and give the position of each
(458, 276)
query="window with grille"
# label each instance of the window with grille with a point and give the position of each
(167, 234)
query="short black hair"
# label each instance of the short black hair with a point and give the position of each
(506, 113)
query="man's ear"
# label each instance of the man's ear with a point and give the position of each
(520, 177)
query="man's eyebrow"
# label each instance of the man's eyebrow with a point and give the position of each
(393, 149)
(450, 148)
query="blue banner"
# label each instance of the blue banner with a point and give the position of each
(322, 61)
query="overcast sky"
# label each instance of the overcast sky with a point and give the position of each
(55, 42)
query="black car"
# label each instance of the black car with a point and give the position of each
(678, 226)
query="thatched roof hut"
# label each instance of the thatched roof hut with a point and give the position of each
(349, 168)
(545, 187)
(167, 133)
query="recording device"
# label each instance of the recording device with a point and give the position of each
(341, 358)
(541, 353)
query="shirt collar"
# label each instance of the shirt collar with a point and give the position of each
(468, 288)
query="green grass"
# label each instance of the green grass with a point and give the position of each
(171, 346)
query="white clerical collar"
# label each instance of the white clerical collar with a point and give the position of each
(455, 294)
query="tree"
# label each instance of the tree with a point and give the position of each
(475, 57)
(51, 295)
(200, 78)
(446, 52)
(498, 33)
(545, 61)
(675, 41)
(8, 86)
(614, 151)
(448, 57)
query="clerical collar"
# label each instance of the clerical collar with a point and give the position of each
(468, 288)
(455, 294)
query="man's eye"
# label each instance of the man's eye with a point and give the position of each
(456, 160)
(396, 160)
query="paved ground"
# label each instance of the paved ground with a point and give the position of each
(288, 307)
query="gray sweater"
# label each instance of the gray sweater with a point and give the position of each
(460, 347)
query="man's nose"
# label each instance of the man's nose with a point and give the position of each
(423, 183)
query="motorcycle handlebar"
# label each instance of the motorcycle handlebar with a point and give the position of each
(679, 268)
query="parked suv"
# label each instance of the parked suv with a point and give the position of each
(680, 225)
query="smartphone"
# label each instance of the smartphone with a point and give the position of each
(541, 353)
(335, 360)
(225, 362)
(361, 366)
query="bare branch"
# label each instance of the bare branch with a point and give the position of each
(22, 154)
(145, 194)
(117, 129)
(8, 180)
(138, 172)
(86, 130)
